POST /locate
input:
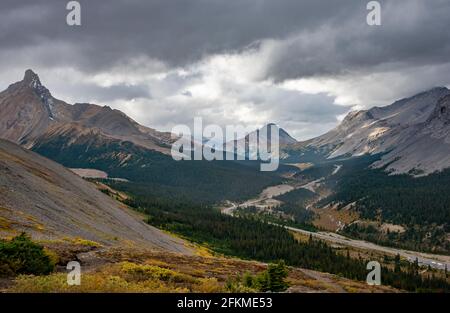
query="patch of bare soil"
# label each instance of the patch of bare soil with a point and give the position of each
(89, 173)
(331, 219)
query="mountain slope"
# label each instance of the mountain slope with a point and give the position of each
(48, 201)
(413, 132)
(30, 111)
(428, 150)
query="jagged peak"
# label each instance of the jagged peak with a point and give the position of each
(31, 79)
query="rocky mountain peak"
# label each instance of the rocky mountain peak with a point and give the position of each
(31, 79)
(284, 136)
(412, 133)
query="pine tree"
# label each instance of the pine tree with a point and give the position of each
(277, 275)
(263, 281)
(397, 267)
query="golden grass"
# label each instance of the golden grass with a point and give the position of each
(328, 217)
(90, 283)
(203, 251)
(16, 219)
(5, 224)
(117, 278)
(299, 236)
(302, 166)
(82, 242)
(314, 284)
(54, 258)
(131, 270)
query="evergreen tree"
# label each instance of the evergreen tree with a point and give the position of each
(277, 275)
(397, 267)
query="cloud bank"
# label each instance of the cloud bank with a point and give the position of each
(301, 64)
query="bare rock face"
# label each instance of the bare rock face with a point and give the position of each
(30, 112)
(442, 110)
(32, 80)
(48, 201)
(412, 132)
(23, 113)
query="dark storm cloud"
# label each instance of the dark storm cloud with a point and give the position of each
(326, 37)
(413, 33)
(92, 92)
(229, 60)
(175, 31)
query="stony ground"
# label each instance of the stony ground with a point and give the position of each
(48, 201)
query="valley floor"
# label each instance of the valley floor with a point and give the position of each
(424, 259)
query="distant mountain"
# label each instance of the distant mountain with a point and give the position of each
(30, 112)
(413, 134)
(264, 136)
(46, 200)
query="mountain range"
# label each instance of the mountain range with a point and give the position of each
(88, 136)
(30, 112)
(412, 135)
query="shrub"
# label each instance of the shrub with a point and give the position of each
(139, 272)
(277, 274)
(90, 283)
(237, 286)
(207, 285)
(22, 256)
(272, 279)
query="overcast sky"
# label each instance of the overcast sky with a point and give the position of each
(300, 64)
